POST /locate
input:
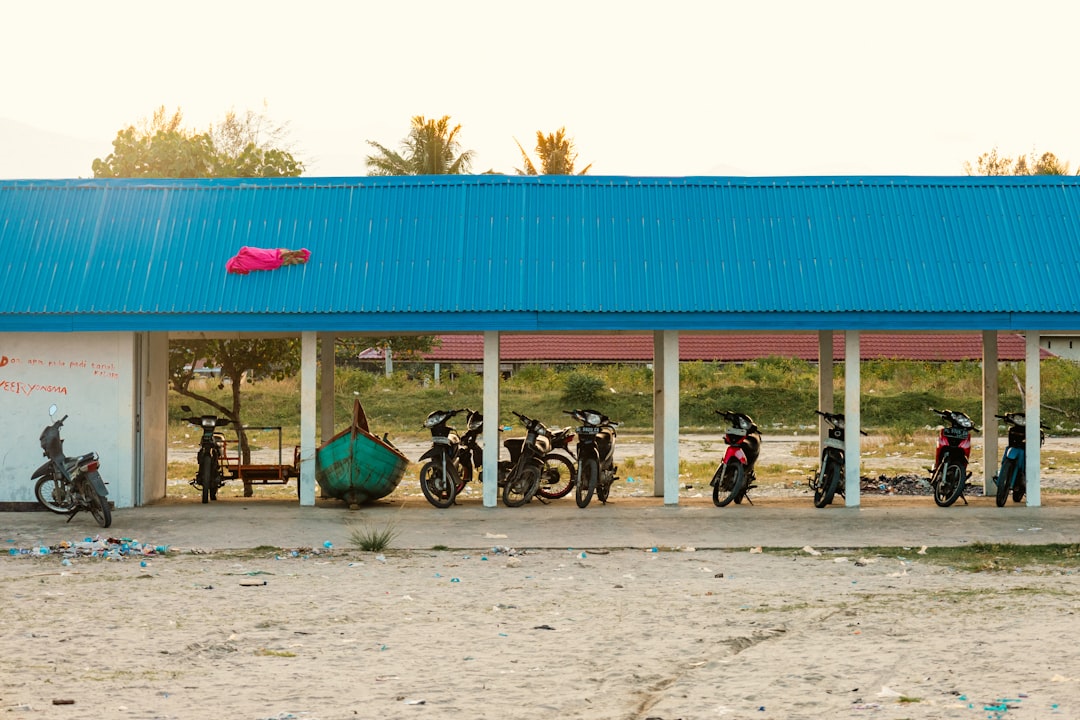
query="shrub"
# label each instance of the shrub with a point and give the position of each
(581, 388)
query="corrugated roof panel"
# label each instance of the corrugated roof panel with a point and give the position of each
(708, 248)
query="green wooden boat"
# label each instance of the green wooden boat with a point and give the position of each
(356, 466)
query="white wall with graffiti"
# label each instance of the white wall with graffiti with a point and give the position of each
(89, 377)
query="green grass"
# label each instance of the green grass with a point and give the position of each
(779, 393)
(373, 539)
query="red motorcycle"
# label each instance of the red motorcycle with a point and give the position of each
(735, 475)
(950, 473)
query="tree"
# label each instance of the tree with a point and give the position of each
(240, 361)
(556, 153)
(240, 146)
(162, 147)
(993, 164)
(430, 148)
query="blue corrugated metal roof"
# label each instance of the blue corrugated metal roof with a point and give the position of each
(444, 253)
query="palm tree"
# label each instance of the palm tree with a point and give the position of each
(430, 148)
(556, 153)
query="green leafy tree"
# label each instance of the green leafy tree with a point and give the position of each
(991, 163)
(240, 146)
(556, 153)
(240, 361)
(430, 148)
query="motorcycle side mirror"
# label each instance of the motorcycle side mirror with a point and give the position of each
(185, 408)
(52, 409)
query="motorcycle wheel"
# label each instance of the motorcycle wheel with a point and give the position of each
(521, 486)
(54, 495)
(205, 478)
(588, 475)
(464, 475)
(1004, 481)
(949, 486)
(99, 507)
(440, 490)
(557, 477)
(728, 483)
(828, 481)
(603, 489)
(1020, 488)
(216, 481)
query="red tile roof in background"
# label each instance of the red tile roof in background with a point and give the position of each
(724, 348)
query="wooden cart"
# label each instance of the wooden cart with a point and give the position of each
(260, 473)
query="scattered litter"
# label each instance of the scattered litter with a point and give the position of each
(810, 551)
(543, 627)
(252, 583)
(494, 536)
(755, 549)
(922, 550)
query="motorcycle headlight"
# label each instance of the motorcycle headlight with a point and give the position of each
(593, 418)
(209, 422)
(1019, 420)
(964, 422)
(840, 423)
(432, 421)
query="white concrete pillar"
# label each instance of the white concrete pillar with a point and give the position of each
(308, 364)
(1033, 398)
(491, 418)
(658, 413)
(826, 401)
(670, 419)
(989, 410)
(852, 418)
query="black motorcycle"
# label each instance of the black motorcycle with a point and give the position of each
(452, 458)
(830, 478)
(596, 455)
(560, 465)
(68, 485)
(211, 446)
(525, 474)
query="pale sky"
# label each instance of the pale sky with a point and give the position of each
(673, 88)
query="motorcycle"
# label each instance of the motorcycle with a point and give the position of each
(559, 464)
(211, 446)
(830, 477)
(734, 477)
(451, 459)
(596, 453)
(68, 485)
(1012, 475)
(523, 477)
(950, 473)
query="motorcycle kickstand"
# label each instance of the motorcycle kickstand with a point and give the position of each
(72, 514)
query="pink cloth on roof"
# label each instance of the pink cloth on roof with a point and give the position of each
(252, 258)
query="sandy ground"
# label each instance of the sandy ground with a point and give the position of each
(625, 634)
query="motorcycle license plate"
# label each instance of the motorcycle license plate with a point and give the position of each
(738, 432)
(959, 433)
(588, 430)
